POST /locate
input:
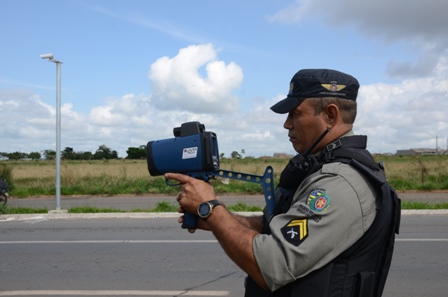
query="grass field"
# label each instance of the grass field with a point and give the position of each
(113, 177)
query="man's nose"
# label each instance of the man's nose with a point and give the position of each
(288, 123)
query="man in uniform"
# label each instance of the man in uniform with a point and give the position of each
(323, 238)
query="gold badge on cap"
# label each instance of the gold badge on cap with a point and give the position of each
(333, 87)
(291, 87)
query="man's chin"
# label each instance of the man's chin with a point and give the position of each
(298, 149)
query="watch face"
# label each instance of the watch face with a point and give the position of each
(204, 209)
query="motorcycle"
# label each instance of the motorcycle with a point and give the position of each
(3, 191)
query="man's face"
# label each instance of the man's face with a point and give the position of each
(304, 126)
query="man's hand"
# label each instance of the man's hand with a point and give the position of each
(192, 193)
(235, 236)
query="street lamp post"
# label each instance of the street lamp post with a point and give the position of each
(50, 58)
(437, 144)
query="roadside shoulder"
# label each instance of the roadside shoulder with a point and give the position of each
(154, 215)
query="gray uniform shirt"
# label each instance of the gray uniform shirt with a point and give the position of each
(330, 211)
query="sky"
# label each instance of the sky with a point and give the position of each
(134, 70)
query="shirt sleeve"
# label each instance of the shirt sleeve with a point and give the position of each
(330, 211)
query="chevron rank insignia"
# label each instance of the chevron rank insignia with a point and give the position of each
(296, 231)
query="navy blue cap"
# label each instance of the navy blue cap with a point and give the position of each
(317, 83)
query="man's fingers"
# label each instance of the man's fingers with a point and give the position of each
(182, 178)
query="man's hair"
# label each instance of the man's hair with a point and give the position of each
(346, 107)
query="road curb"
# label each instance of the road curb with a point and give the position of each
(150, 215)
(442, 212)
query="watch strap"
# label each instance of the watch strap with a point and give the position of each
(215, 203)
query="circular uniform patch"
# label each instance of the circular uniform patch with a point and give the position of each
(318, 200)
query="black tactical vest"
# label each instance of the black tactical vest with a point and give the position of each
(362, 269)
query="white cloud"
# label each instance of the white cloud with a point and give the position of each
(412, 112)
(404, 115)
(177, 83)
(103, 115)
(392, 19)
(394, 116)
(421, 25)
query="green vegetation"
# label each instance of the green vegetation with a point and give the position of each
(90, 209)
(423, 205)
(130, 177)
(242, 207)
(21, 210)
(118, 177)
(115, 177)
(424, 173)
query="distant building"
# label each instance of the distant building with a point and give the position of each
(416, 152)
(282, 155)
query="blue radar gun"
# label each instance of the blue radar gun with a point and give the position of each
(194, 152)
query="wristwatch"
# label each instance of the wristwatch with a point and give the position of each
(205, 209)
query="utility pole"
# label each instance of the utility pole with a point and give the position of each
(50, 58)
(437, 145)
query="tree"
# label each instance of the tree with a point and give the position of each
(86, 156)
(68, 153)
(49, 154)
(17, 156)
(136, 152)
(103, 152)
(35, 155)
(235, 155)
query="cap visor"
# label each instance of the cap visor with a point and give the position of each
(286, 105)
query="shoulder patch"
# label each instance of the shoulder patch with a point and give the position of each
(296, 231)
(318, 200)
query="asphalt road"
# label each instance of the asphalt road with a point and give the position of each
(83, 256)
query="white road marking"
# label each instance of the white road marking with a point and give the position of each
(111, 293)
(175, 241)
(105, 241)
(421, 239)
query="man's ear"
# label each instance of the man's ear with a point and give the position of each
(332, 114)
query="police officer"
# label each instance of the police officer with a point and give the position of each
(332, 231)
